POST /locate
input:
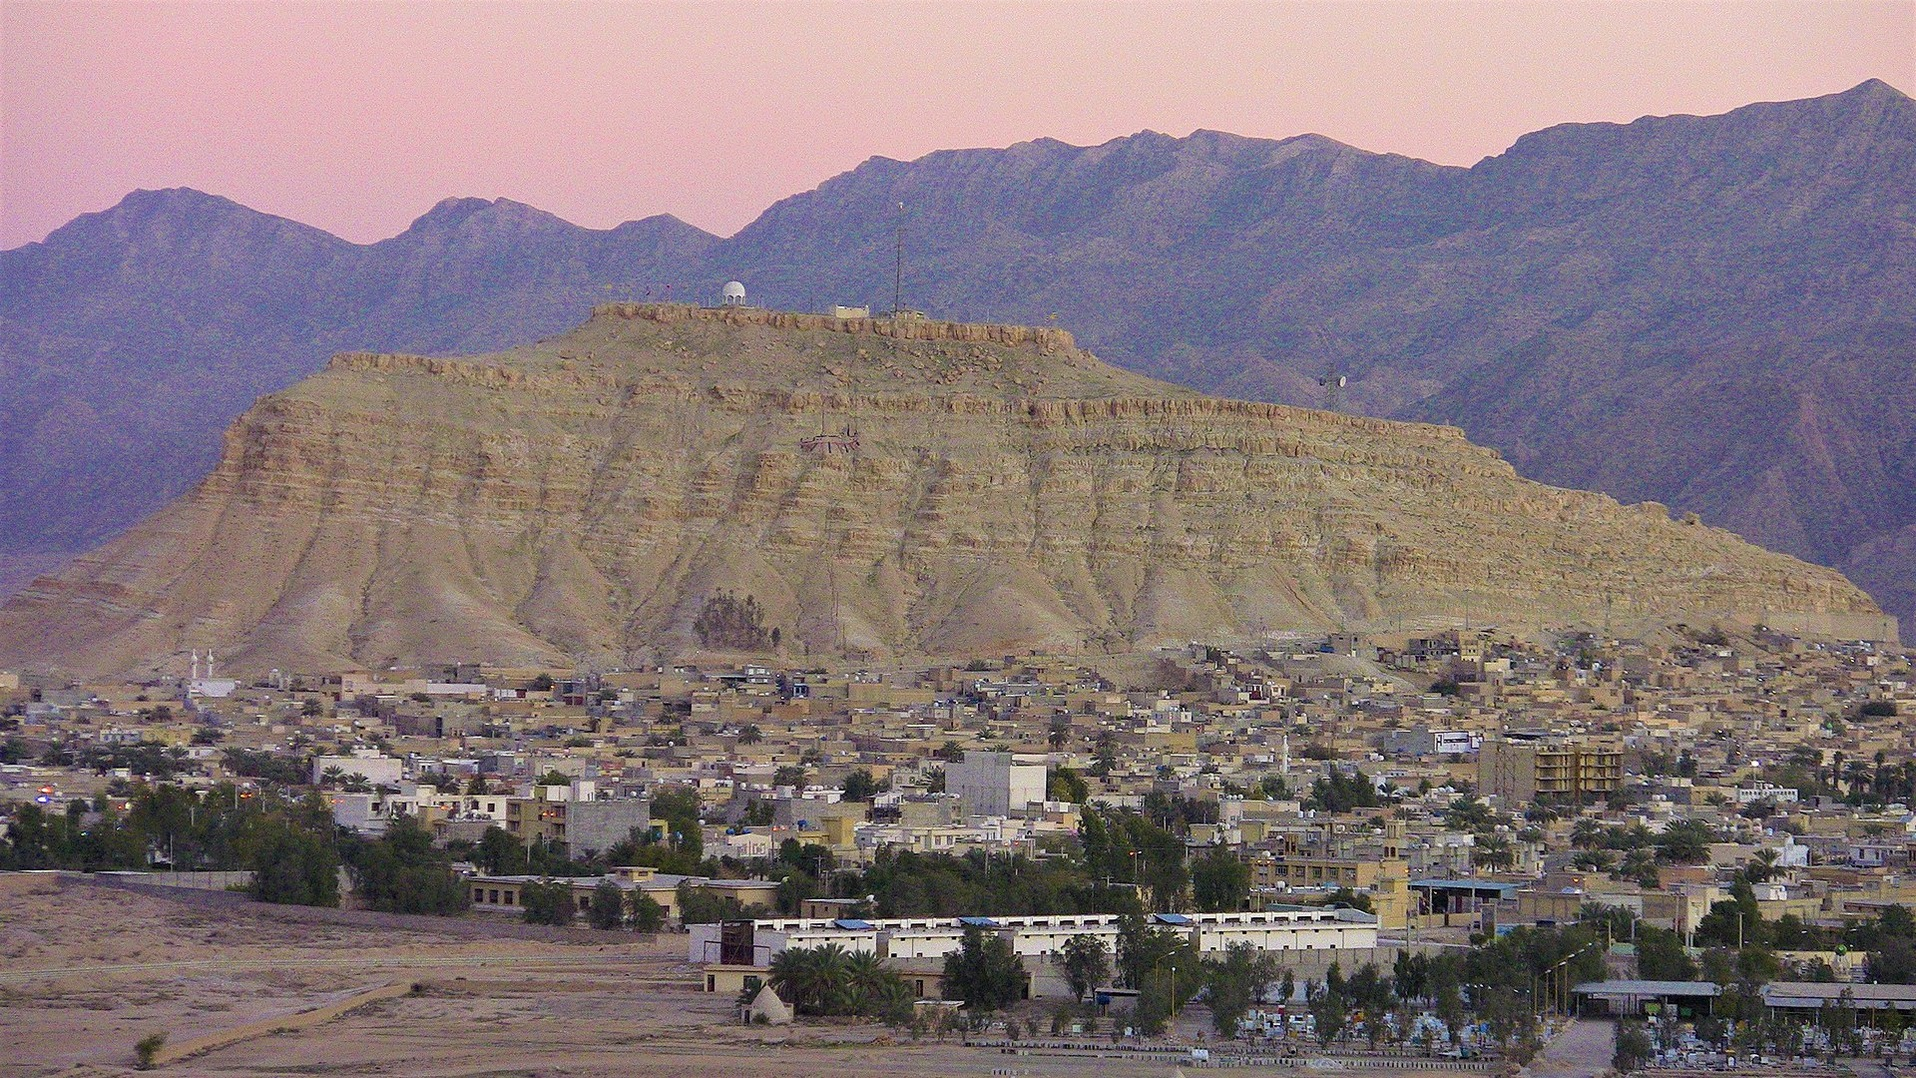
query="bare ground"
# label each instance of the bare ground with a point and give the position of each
(85, 972)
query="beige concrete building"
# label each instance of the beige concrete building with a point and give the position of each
(1520, 767)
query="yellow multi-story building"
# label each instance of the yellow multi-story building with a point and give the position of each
(1520, 767)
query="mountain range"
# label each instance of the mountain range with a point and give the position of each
(1711, 312)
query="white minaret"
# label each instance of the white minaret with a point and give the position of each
(196, 666)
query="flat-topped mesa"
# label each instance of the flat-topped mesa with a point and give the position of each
(911, 327)
(951, 490)
(738, 352)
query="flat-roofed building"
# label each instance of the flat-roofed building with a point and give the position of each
(996, 783)
(1520, 767)
(734, 950)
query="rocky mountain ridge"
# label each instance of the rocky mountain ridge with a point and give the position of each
(886, 488)
(1705, 311)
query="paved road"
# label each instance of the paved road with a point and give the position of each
(1582, 1050)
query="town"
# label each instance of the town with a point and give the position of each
(1439, 844)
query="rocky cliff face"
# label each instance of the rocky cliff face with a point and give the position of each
(914, 488)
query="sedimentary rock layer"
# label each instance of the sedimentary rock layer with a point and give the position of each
(902, 489)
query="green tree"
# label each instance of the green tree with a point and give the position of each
(1220, 882)
(873, 988)
(1633, 1048)
(679, 808)
(294, 866)
(1163, 966)
(1494, 852)
(1893, 961)
(813, 979)
(646, 913)
(1123, 845)
(1064, 784)
(548, 902)
(1685, 842)
(1734, 922)
(1470, 815)
(1329, 1013)
(1344, 896)
(860, 786)
(729, 623)
(1335, 791)
(1234, 981)
(1661, 957)
(402, 873)
(984, 972)
(499, 853)
(608, 906)
(1085, 963)
(698, 906)
(1369, 991)
(1410, 975)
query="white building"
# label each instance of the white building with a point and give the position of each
(374, 768)
(1766, 791)
(1033, 938)
(996, 783)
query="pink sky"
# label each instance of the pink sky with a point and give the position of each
(356, 117)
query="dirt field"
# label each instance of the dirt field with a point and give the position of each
(85, 972)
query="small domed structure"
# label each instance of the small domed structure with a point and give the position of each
(733, 295)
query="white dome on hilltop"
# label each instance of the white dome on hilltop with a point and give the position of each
(733, 294)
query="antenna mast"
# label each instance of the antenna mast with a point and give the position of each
(898, 267)
(1333, 384)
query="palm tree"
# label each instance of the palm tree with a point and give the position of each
(812, 978)
(1494, 852)
(1597, 860)
(1856, 775)
(865, 977)
(1060, 732)
(1587, 833)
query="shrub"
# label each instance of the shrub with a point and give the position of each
(148, 1047)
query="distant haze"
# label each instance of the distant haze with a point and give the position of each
(357, 117)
